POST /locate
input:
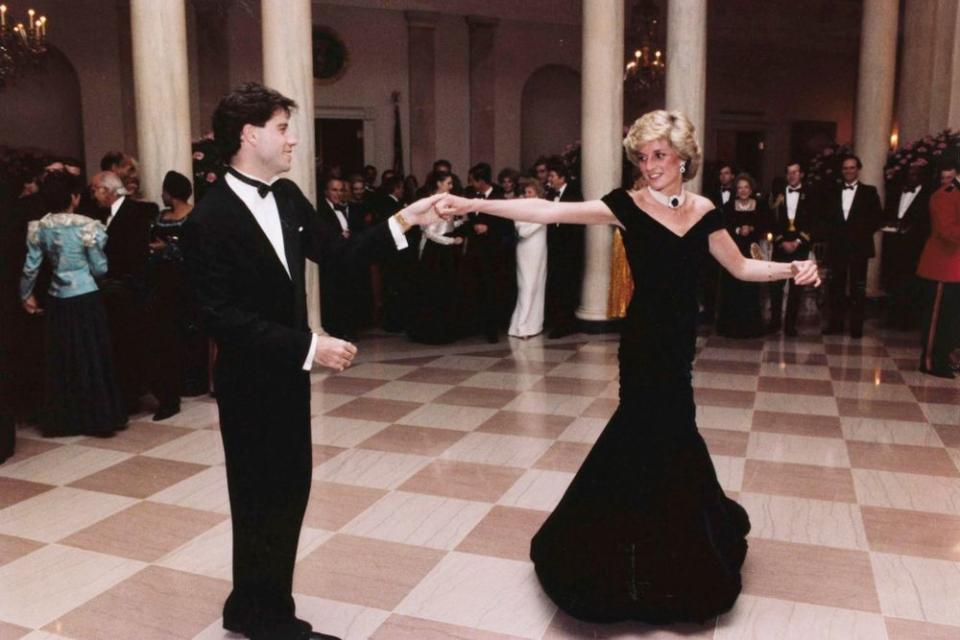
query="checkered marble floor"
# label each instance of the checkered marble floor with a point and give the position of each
(433, 468)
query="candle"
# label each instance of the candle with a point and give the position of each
(3, 16)
(43, 26)
(30, 13)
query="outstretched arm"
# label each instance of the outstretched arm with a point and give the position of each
(531, 210)
(728, 255)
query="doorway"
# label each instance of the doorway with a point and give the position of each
(339, 144)
(745, 149)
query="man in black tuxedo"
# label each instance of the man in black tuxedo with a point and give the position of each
(794, 213)
(245, 245)
(565, 254)
(125, 287)
(485, 259)
(338, 303)
(853, 215)
(906, 228)
(393, 279)
(709, 280)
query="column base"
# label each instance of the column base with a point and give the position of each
(599, 326)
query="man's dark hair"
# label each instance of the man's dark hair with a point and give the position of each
(110, 159)
(438, 165)
(251, 103)
(329, 179)
(558, 166)
(56, 189)
(850, 156)
(542, 160)
(392, 183)
(482, 171)
(723, 164)
(790, 163)
(949, 165)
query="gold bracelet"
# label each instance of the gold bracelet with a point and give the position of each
(404, 225)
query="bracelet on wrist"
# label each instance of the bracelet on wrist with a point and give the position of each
(404, 225)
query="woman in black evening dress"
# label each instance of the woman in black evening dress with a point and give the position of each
(644, 531)
(739, 313)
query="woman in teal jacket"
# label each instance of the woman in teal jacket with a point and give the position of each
(80, 388)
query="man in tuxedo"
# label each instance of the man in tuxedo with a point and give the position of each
(939, 270)
(126, 167)
(793, 225)
(485, 259)
(539, 171)
(393, 279)
(245, 245)
(906, 227)
(125, 287)
(853, 215)
(709, 280)
(565, 254)
(338, 304)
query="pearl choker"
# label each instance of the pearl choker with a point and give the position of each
(673, 202)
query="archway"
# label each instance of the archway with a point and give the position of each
(549, 112)
(42, 109)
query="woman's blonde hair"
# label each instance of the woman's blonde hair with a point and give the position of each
(672, 126)
(533, 183)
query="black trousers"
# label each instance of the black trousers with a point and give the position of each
(847, 270)
(266, 441)
(941, 323)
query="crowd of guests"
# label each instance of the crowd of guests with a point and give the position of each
(920, 264)
(96, 312)
(93, 301)
(478, 276)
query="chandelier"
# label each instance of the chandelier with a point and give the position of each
(22, 45)
(646, 67)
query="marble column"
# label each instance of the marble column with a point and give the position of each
(422, 57)
(914, 95)
(162, 94)
(482, 32)
(601, 134)
(945, 80)
(687, 66)
(874, 113)
(287, 29)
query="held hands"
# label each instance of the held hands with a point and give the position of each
(423, 211)
(454, 206)
(334, 353)
(805, 272)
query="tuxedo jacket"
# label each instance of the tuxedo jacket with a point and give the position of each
(252, 308)
(804, 223)
(716, 196)
(327, 218)
(500, 231)
(853, 237)
(128, 244)
(914, 226)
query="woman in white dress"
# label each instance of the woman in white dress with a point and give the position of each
(527, 320)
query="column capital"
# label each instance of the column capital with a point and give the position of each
(422, 19)
(479, 22)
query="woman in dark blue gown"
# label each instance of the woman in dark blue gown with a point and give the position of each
(644, 531)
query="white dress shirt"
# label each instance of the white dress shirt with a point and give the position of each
(847, 196)
(342, 219)
(725, 195)
(267, 215)
(793, 198)
(560, 191)
(906, 199)
(113, 210)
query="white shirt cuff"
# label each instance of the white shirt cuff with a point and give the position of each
(311, 352)
(397, 232)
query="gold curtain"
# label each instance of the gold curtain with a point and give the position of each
(621, 280)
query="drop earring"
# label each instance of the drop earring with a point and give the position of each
(683, 167)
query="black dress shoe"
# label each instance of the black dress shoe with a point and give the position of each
(165, 412)
(939, 372)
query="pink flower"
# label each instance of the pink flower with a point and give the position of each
(889, 175)
(198, 155)
(828, 151)
(211, 176)
(829, 171)
(921, 162)
(904, 161)
(942, 145)
(937, 152)
(921, 149)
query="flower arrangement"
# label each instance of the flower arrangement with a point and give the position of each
(928, 151)
(207, 166)
(823, 169)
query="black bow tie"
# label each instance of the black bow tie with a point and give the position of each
(262, 188)
(342, 208)
(792, 190)
(852, 188)
(725, 189)
(909, 189)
